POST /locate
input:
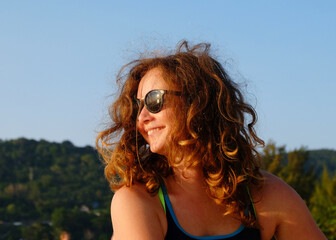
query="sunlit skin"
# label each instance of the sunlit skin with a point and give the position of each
(155, 127)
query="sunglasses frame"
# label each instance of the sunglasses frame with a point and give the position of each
(143, 102)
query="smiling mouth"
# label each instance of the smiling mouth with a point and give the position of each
(150, 132)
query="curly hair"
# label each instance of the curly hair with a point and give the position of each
(214, 130)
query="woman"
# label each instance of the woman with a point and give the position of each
(181, 157)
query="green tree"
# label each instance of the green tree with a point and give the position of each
(9, 232)
(292, 167)
(273, 158)
(298, 175)
(37, 231)
(73, 221)
(102, 225)
(323, 204)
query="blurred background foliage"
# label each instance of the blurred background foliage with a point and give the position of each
(48, 188)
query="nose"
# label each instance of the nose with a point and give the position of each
(144, 116)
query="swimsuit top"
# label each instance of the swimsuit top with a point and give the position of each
(176, 232)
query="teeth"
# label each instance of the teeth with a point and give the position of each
(153, 130)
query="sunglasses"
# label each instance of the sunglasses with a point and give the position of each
(154, 100)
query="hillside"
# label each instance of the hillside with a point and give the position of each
(40, 178)
(321, 158)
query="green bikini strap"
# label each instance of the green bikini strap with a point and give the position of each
(254, 211)
(162, 199)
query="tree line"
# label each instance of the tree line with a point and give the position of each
(312, 174)
(48, 188)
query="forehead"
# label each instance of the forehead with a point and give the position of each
(151, 80)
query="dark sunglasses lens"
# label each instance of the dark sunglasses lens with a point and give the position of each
(153, 101)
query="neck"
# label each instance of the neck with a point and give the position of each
(190, 180)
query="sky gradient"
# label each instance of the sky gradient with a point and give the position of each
(59, 59)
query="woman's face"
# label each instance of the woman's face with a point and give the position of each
(155, 127)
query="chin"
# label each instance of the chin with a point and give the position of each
(155, 149)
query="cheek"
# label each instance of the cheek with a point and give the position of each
(141, 130)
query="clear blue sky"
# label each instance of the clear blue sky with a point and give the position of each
(58, 60)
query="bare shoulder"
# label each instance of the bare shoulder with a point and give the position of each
(136, 214)
(127, 195)
(282, 212)
(277, 190)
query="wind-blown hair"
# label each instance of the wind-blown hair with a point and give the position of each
(214, 130)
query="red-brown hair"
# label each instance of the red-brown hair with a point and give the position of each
(214, 130)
